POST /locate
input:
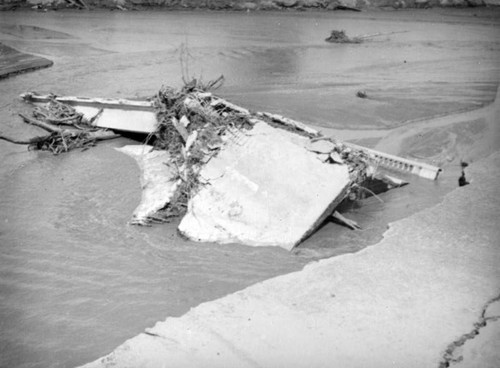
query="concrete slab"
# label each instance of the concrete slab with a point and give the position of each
(400, 303)
(264, 189)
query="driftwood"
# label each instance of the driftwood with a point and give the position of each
(351, 224)
(41, 124)
(78, 133)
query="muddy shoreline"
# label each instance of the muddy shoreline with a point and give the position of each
(243, 5)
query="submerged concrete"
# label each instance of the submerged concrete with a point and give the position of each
(403, 302)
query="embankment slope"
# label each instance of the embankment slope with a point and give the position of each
(244, 5)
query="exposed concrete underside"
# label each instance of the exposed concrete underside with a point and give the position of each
(400, 303)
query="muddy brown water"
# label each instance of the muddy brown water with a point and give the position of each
(75, 279)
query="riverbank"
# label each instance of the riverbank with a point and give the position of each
(427, 295)
(243, 5)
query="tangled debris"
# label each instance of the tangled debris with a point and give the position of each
(191, 128)
(341, 37)
(67, 129)
(194, 125)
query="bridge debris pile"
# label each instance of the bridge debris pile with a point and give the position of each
(230, 174)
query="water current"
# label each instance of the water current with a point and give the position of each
(75, 279)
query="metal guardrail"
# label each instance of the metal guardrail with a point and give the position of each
(401, 164)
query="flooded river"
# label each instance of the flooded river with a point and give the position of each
(75, 279)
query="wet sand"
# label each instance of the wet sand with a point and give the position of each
(13, 62)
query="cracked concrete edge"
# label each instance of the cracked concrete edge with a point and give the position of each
(469, 350)
(493, 310)
(455, 353)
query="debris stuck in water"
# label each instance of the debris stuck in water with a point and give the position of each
(362, 94)
(67, 129)
(232, 175)
(341, 37)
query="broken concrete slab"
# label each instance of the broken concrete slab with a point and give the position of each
(158, 181)
(263, 189)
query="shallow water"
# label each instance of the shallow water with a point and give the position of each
(76, 280)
